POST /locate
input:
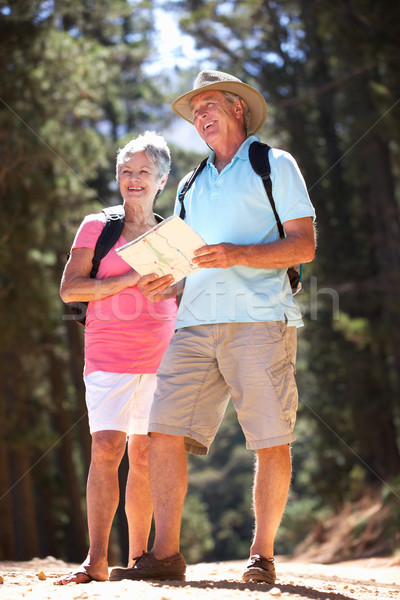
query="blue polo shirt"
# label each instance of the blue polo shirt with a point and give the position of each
(232, 206)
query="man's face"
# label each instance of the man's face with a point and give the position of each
(214, 118)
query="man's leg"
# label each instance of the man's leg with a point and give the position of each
(271, 487)
(168, 483)
(102, 497)
(138, 503)
(168, 480)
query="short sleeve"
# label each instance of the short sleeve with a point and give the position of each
(89, 231)
(289, 188)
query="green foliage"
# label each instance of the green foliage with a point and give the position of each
(391, 501)
(196, 539)
(223, 481)
(73, 89)
(67, 71)
(301, 515)
(328, 72)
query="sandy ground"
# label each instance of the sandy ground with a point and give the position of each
(365, 579)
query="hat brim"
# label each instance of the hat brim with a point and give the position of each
(255, 101)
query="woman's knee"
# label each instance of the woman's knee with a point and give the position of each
(108, 446)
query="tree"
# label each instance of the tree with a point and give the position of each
(328, 72)
(68, 70)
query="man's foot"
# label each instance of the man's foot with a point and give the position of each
(76, 577)
(260, 569)
(172, 568)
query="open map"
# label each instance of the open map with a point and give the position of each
(168, 248)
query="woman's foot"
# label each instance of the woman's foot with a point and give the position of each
(82, 575)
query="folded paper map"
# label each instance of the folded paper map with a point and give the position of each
(166, 249)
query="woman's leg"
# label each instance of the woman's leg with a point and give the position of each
(102, 496)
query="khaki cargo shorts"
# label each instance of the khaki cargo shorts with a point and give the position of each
(206, 365)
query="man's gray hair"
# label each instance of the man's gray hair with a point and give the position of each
(155, 147)
(232, 98)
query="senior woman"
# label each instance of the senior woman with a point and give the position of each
(125, 338)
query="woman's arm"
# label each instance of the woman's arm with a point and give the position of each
(77, 286)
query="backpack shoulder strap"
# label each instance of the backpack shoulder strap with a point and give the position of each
(115, 220)
(258, 155)
(188, 184)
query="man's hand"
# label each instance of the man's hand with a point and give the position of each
(156, 288)
(297, 247)
(218, 256)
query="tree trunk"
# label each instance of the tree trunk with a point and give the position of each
(384, 213)
(336, 208)
(76, 530)
(21, 477)
(76, 363)
(7, 541)
(25, 518)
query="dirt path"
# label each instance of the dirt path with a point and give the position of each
(356, 580)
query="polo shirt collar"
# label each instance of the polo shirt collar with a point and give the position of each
(242, 153)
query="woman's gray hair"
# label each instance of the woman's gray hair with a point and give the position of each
(232, 98)
(155, 147)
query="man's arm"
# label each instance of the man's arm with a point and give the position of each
(297, 247)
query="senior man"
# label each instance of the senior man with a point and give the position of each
(236, 325)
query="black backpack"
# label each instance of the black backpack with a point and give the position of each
(111, 232)
(258, 155)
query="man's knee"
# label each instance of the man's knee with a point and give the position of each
(166, 447)
(281, 452)
(139, 446)
(164, 439)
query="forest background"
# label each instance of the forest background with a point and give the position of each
(80, 78)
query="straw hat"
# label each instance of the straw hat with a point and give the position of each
(216, 80)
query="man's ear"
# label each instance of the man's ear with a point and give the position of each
(238, 110)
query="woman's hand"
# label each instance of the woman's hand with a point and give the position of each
(156, 288)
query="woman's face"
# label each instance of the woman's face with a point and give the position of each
(139, 181)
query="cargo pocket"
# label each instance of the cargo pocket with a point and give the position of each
(281, 375)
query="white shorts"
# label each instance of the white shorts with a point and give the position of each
(119, 401)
